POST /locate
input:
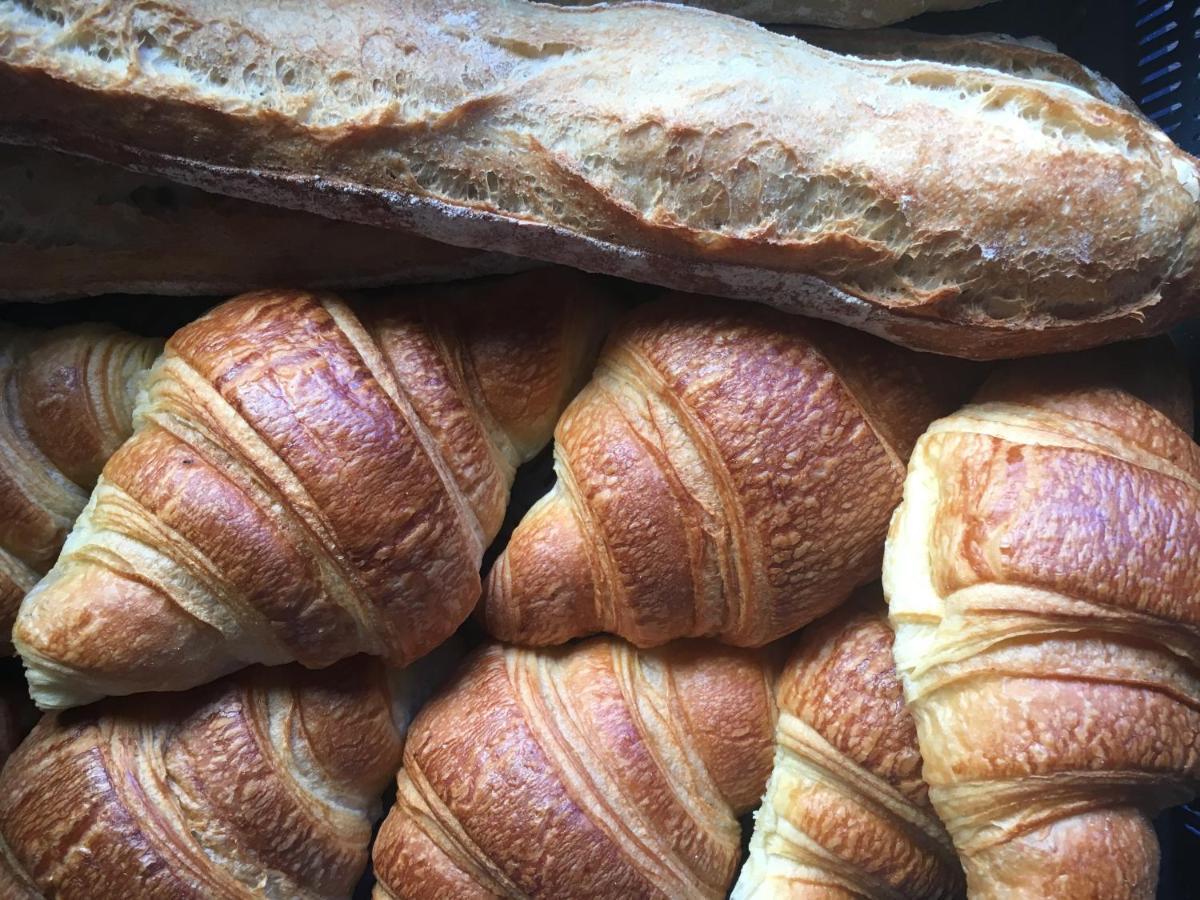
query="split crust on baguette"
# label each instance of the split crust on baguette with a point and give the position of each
(831, 13)
(70, 227)
(951, 208)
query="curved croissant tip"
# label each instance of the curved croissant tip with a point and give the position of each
(540, 590)
(86, 632)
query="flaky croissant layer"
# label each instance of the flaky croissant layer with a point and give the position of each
(594, 770)
(262, 785)
(66, 405)
(308, 479)
(729, 472)
(1046, 598)
(846, 813)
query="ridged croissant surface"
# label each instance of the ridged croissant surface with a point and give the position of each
(309, 479)
(590, 771)
(264, 784)
(66, 404)
(846, 814)
(1045, 590)
(729, 472)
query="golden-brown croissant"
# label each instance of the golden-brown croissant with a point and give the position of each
(262, 785)
(66, 404)
(846, 814)
(1045, 590)
(594, 770)
(308, 479)
(729, 472)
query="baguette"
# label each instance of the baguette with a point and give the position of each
(950, 208)
(830, 13)
(76, 228)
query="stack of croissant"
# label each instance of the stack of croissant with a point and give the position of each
(804, 611)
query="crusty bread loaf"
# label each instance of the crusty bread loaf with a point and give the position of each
(951, 208)
(74, 228)
(832, 13)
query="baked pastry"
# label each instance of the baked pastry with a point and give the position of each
(264, 784)
(308, 479)
(74, 227)
(729, 472)
(593, 770)
(846, 814)
(66, 404)
(951, 208)
(1046, 602)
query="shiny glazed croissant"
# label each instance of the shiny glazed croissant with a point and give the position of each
(66, 404)
(729, 472)
(264, 784)
(308, 479)
(846, 814)
(594, 770)
(1045, 590)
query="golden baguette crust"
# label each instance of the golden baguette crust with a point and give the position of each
(729, 472)
(1029, 58)
(77, 228)
(950, 208)
(593, 770)
(308, 479)
(262, 785)
(1046, 598)
(66, 405)
(846, 812)
(828, 13)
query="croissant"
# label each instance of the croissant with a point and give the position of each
(308, 479)
(1045, 593)
(729, 472)
(846, 814)
(66, 404)
(594, 770)
(74, 227)
(264, 784)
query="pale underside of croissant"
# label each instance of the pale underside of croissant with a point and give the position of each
(954, 208)
(308, 479)
(262, 785)
(729, 472)
(594, 770)
(846, 814)
(1045, 591)
(66, 404)
(74, 227)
